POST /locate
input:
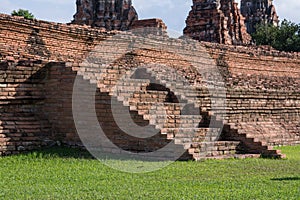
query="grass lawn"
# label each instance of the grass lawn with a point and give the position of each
(69, 174)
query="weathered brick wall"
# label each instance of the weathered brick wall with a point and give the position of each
(26, 47)
(38, 40)
(262, 84)
(22, 127)
(263, 90)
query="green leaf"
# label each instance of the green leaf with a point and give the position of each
(23, 13)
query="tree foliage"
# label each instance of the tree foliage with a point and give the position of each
(23, 13)
(285, 37)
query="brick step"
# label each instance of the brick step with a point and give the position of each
(268, 137)
(183, 108)
(217, 144)
(196, 132)
(211, 149)
(153, 108)
(128, 80)
(253, 144)
(193, 134)
(186, 91)
(178, 92)
(148, 96)
(127, 90)
(227, 156)
(280, 141)
(175, 121)
(165, 78)
(128, 87)
(257, 146)
(107, 80)
(273, 141)
(98, 69)
(138, 95)
(262, 140)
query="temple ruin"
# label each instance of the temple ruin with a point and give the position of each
(107, 14)
(258, 11)
(40, 62)
(218, 21)
(221, 21)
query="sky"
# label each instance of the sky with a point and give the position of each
(173, 12)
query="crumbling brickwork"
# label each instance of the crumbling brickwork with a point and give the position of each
(152, 26)
(258, 11)
(40, 60)
(216, 21)
(115, 15)
(107, 14)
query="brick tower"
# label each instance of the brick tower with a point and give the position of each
(216, 21)
(258, 11)
(107, 14)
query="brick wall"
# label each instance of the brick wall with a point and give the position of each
(262, 85)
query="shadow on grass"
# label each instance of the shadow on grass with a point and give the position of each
(75, 153)
(286, 179)
(61, 152)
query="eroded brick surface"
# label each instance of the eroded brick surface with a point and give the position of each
(39, 62)
(106, 14)
(216, 21)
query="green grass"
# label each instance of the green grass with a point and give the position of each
(70, 174)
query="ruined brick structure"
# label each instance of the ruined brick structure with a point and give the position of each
(39, 62)
(258, 11)
(107, 14)
(216, 21)
(114, 15)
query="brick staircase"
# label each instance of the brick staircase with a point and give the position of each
(178, 115)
